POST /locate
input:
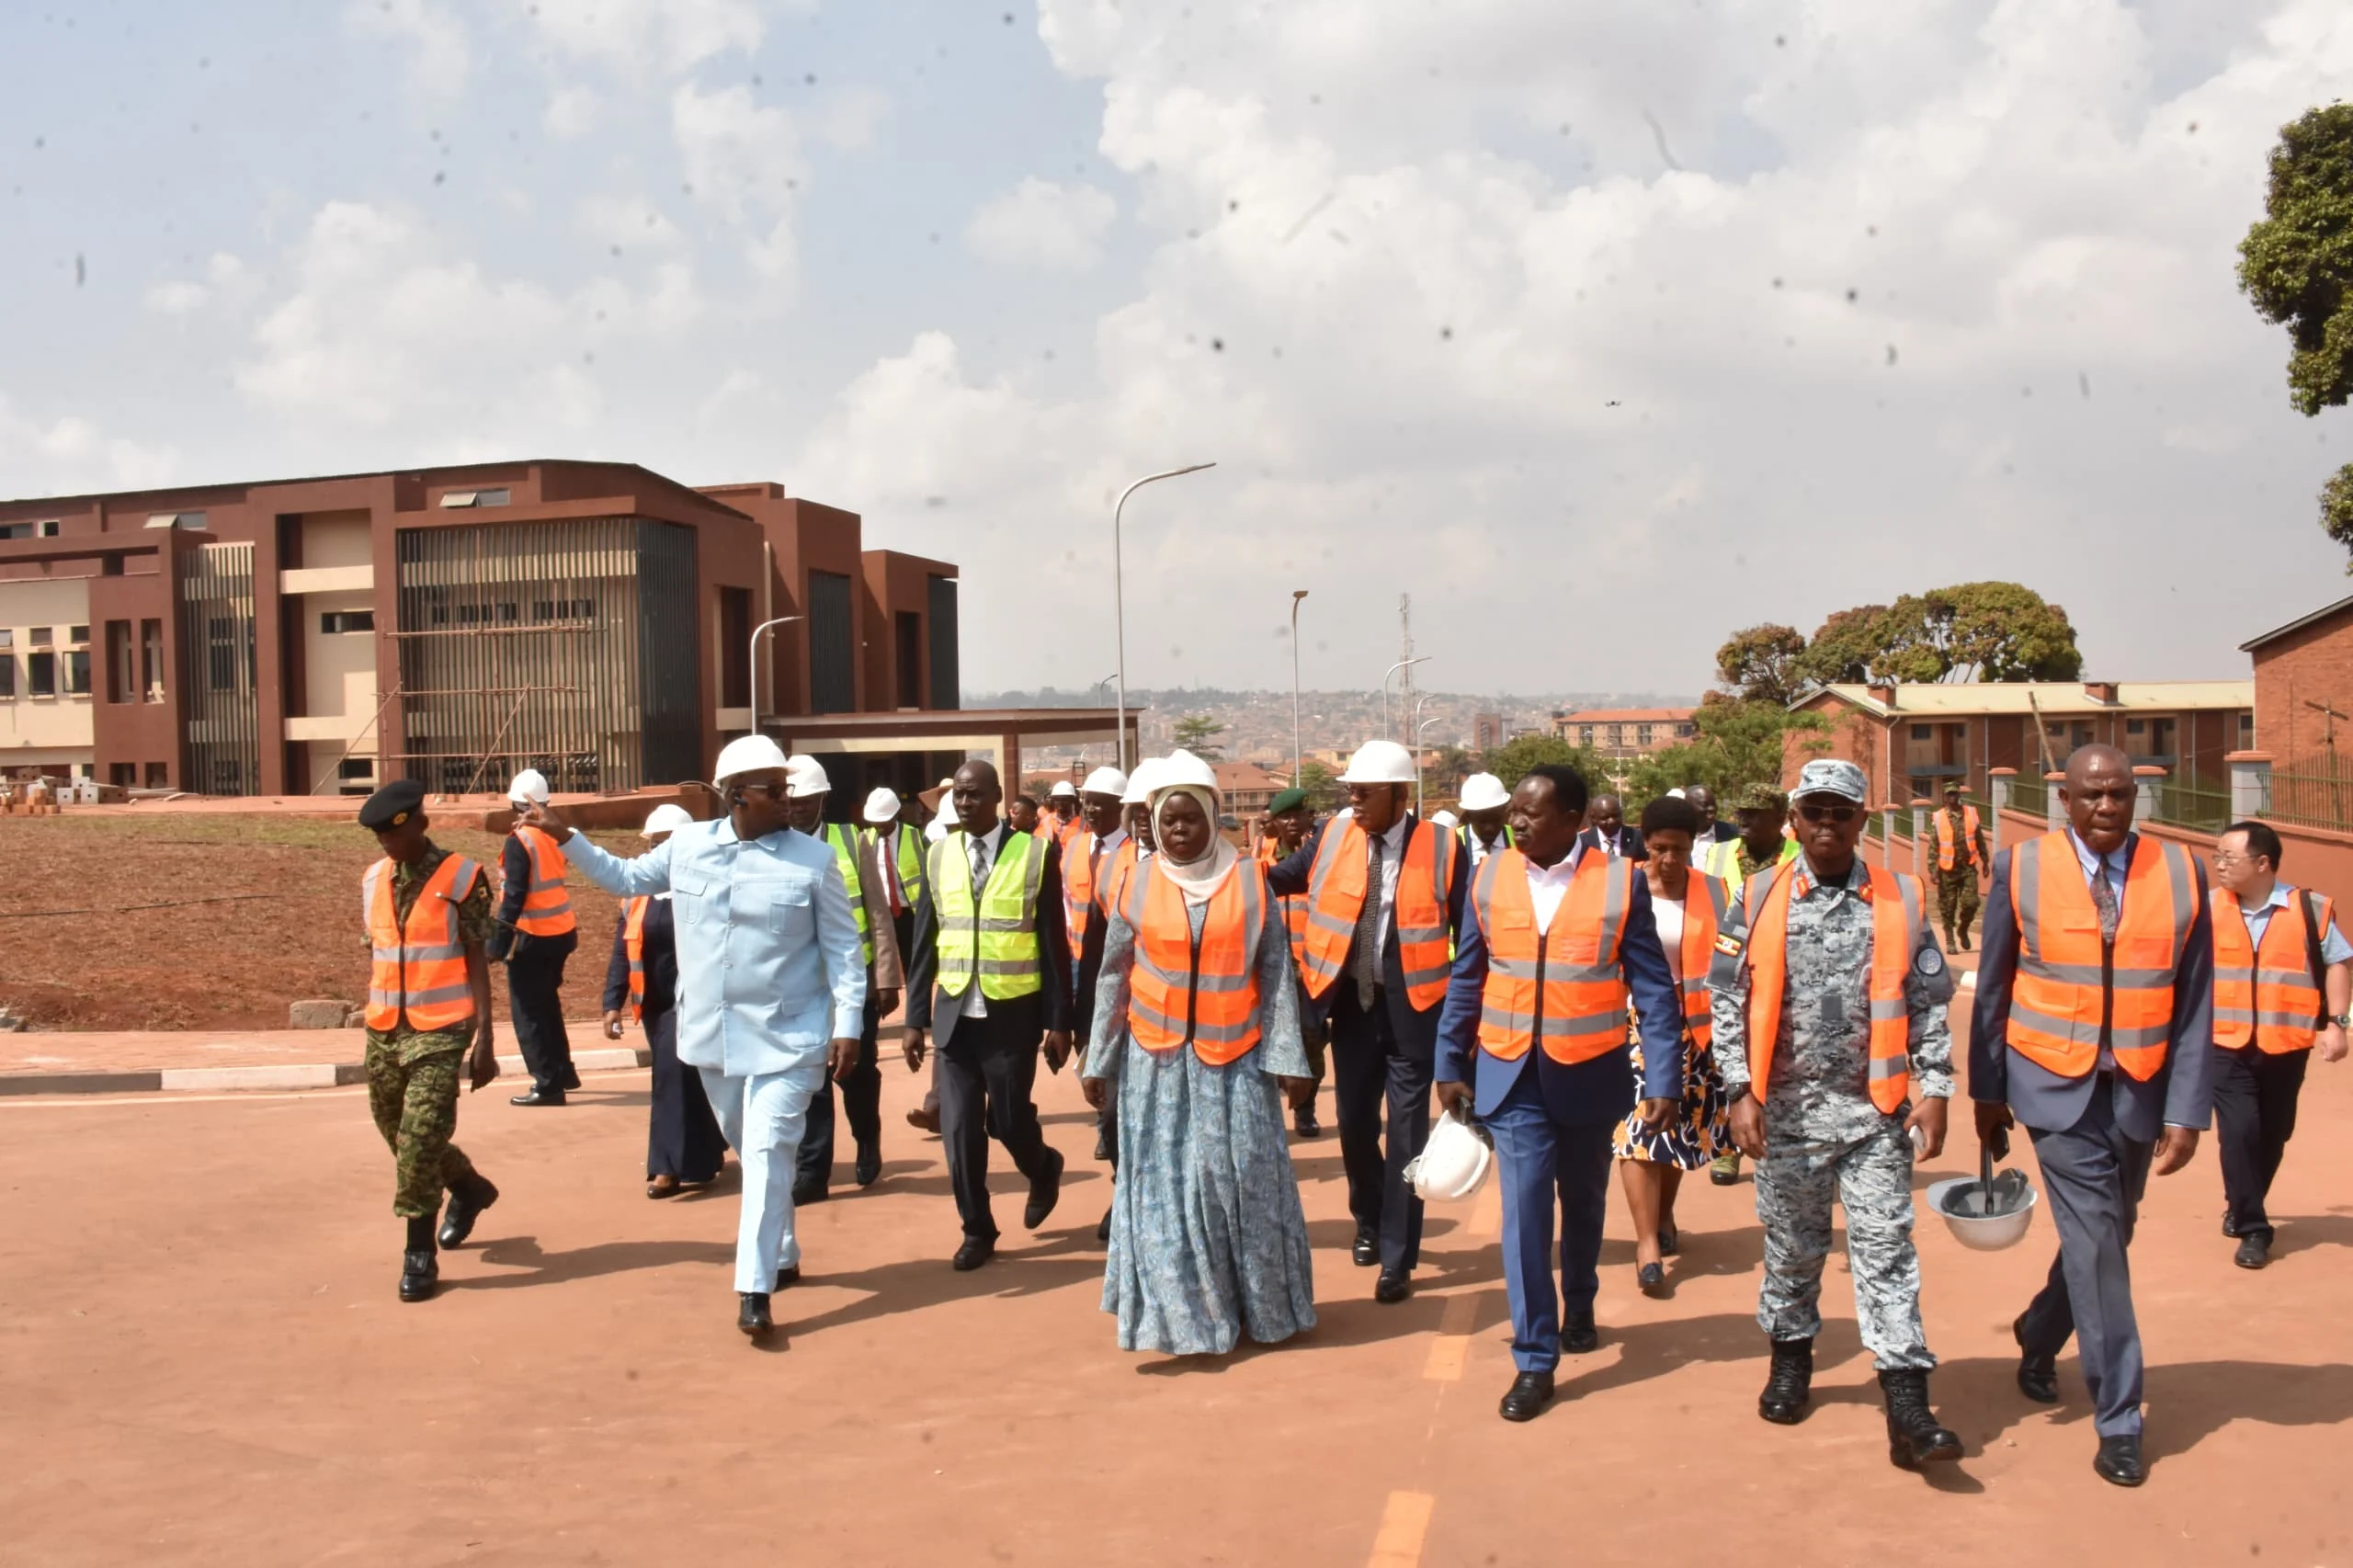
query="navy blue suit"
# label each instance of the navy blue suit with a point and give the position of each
(1630, 842)
(1552, 1123)
(2093, 1137)
(1381, 1055)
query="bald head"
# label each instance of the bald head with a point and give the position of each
(2099, 793)
(976, 792)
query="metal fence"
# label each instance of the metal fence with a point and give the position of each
(2189, 801)
(2315, 789)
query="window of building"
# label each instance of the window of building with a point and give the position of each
(335, 621)
(227, 655)
(40, 636)
(7, 669)
(124, 774)
(2136, 726)
(120, 685)
(1923, 732)
(1585, 735)
(1685, 731)
(2246, 732)
(832, 647)
(77, 634)
(908, 655)
(77, 672)
(1617, 734)
(43, 527)
(356, 767)
(40, 675)
(457, 499)
(946, 687)
(159, 776)
(735, 686)
(1642, 734)
(190, 520)
(228, 775)
(150, 660)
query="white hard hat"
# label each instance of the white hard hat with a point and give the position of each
(946, 813)
(529, 785)
(1452, 1165)
(1063, 791)
(1676, 793)
(1443, 819)
(1180, 768)
(1142, 782)
(665, 819)
(805, 776)
(747, 754)
(1379, 762)
(1105, 781)
(882, 806)
(1483, 792)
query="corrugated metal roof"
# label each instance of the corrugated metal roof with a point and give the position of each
(1978, 698)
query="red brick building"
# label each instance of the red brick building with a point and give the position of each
(2303, 685)
(1621, 734)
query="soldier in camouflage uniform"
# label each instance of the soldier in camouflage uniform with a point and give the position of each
(1820, 1132)
(413, 1072)
(1957, 898)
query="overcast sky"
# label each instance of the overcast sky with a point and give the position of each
(1601, 326)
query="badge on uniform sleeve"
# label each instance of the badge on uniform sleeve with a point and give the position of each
(1930, 962)
(1728, 944)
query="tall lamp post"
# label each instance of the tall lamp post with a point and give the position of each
(1418, 728)
(1297, 751)
(752, 654)
(1400, 665)
(1118, 597)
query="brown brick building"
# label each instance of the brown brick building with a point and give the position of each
(2303, 685)
(1621, 734)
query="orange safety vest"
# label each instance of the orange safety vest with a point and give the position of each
(547, 906)
(1335, 895)
(2068, 993)
(1702, 918)
(1078, 890)
(1293, 905)
(633, 941)
(1947, 850)
(1567, 987)
(1894, 898)
(417, 968)
(1111, 885)
(2266, 994)
(1206, 992)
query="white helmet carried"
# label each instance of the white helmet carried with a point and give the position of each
(665, 819)
(1444, 819)
(531, 785)
(805, 775)
(881, 806)
(1379, 762)
(1483, 792)
(1142, 782)
(1063, 791)
(1452, 1165)
(1105, 781)
(747, 754)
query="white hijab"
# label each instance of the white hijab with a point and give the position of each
(1198, 880)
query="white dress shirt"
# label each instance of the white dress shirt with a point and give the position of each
(1547, 885)
(1392, 853)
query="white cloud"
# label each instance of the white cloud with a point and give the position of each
(572, 112)
(69, 454)
(628, 35)
(442, 56)
(178, 299)
(1043, 225)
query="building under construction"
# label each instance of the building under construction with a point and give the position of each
(594, 621)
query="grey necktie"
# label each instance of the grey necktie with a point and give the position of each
(980, 848)
(2104, 900)
(1368, 949)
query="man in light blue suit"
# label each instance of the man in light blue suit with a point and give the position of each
(771, 985)
(1523, 992)
(2098, 960)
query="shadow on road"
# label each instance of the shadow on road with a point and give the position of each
(581, 1263)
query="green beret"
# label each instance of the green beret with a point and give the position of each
(1763, 797)
(393, 805)
(1289, 800)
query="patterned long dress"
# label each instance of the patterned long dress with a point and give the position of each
(1701, 1128)
(1208, 1237)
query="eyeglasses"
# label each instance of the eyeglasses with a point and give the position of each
(773, 791)
(1841, 814)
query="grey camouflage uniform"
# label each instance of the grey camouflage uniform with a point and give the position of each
(1823, 1137)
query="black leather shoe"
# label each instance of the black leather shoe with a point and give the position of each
(1789, 1388)
(1652, 1277)
(752, 1314)
(1579, 1337)
(814, 1192)
(1670, 1242)
(536, 1096)
(1303, 1121)
(1103, 1228)
(2118, 1460)
(1915, 1437)
(1367, 1250)
(466, 1204)
(975, 1251)
(2037, 1375)
(2255, 1251)
(1392, 1287)
(1526, 1399)
(420, 1276)
(2229, 1226)
(787, 1276)
(869, 1170)
(1043, 1195)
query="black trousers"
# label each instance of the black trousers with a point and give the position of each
(2254, 1115)
(1376, 1085)
(681, 1135)
(535, 1003)
(984, 1077)
(861, 1097)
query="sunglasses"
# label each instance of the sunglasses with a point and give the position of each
(1841, 814)
(773, 791)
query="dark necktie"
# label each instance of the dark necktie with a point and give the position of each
(1368, 949)
(2104, 900)
(980, 848)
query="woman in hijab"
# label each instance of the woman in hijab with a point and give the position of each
(683, 1147)
(1197, 1036)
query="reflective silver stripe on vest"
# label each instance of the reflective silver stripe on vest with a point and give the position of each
(1326, 856)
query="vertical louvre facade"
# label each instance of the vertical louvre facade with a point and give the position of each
(221, 702)
(564, 646)
(946, 680)
(833, 644)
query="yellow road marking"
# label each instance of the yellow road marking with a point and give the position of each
(1452, 1346)
(1403, 1525)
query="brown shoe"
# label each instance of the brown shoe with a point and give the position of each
(927, 1119)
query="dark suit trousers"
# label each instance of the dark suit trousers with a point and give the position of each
(861, 1097)
(1536, 1154)
(2093, 1178)
(682, 1135)
(985, 1081)
(1370, 1072)
(2254, 1115)
(535, 1003)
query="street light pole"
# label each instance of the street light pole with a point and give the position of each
(1400, 665)
(1423, 724)
(1297, 751)
(1119, 598)
(752, 655)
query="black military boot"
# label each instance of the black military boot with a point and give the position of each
(420, 1274)
(1914, 1439)
(467, 1201)
(1790, 1387)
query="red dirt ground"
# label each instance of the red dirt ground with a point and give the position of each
(212, 966)
(204, 1363)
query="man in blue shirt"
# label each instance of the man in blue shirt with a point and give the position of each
(771, 985)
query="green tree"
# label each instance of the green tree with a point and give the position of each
(1760, 663)
(1197, 733)
(1512, 760)
(1446, 771)
(1322, 785)
(1844, 649)
(1997, 632)
(2296, 265)
(1738, 743)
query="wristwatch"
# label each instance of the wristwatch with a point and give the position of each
(2343, 1020)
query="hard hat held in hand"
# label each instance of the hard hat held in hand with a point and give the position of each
(747, 754)
(1453, 1163)
(1379, 762)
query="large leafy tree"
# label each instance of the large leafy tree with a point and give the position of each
(2296, 265)
(1197, 733)
(1845, 647)
(1760, 663)
(2000, 631)
(1738, 743)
